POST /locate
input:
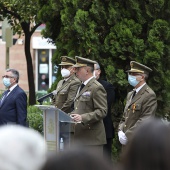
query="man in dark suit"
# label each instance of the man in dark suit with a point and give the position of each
(90, 107)
(13, 103)
(108, 124)
(141, 103)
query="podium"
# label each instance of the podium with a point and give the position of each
(52, 117)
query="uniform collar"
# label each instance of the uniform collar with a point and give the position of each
(88, 80)
(137, 90)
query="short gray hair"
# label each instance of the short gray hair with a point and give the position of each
(21, 148)
(14, 72)
(97, 66)
(146, 76)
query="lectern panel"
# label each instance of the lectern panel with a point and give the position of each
(56, 126)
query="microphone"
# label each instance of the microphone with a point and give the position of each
(40, 100)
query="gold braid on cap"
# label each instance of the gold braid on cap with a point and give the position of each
(67, 63)
(136, 70)
(81, 64)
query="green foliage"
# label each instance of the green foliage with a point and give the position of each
(19, 12)
(116, 149)
(115, 33)
(35, 118)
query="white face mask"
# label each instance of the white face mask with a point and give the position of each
(65, 72)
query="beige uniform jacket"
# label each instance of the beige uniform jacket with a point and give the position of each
(91, 104)
(66, 93)
(137, 110)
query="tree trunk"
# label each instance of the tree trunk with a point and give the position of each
(30, 72)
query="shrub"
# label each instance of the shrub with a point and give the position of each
(35, 118)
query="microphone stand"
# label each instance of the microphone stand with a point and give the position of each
(41, 99)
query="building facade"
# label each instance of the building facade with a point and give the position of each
(41, 50)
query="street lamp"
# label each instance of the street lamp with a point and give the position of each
(7, 35)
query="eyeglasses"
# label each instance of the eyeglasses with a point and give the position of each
(6, 76)
(135, 74)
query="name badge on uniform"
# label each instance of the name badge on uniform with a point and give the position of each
(87, 93)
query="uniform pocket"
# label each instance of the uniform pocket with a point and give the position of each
(136, 109)
(136, 106)
(63, 92)
(85, 98)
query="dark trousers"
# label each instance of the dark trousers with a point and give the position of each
(107, 148)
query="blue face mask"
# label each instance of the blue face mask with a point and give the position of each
(6, 82)
(132, 80)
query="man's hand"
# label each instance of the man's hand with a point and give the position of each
(76, 117)
(122, 137)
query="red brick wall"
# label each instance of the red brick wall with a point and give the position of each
(17, 61)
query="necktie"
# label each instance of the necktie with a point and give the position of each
(134, 93)
(63, 82)
(4, 96)
(81, 87)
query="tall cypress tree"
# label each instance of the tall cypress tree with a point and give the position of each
(115, 33)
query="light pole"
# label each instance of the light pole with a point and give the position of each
(7, 34)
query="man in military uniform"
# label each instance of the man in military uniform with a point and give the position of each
(141, 102)
(90, 107)
(66, 91)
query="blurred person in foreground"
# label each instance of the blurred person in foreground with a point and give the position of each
(108, 123)
(90, 107)
(21, 148)
(141, 102)
(77, 159)
(149, 148)
(13, 103)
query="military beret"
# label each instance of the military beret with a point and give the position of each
(81, 62)
(139, 68)
(67, 61)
